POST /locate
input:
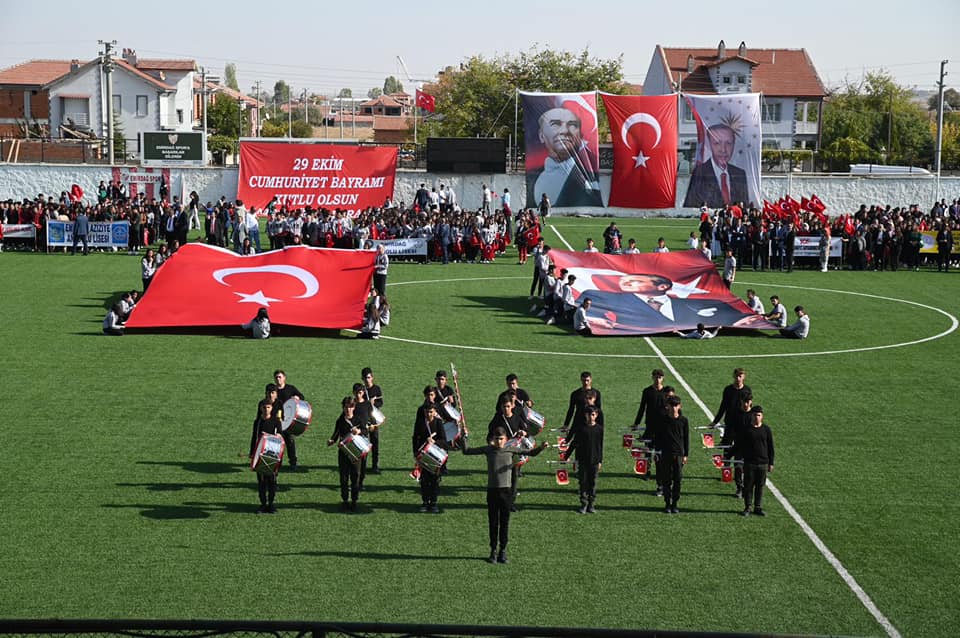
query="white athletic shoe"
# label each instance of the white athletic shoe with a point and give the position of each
(550, 321)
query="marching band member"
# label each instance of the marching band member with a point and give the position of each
(731, 414)
(445, 393)
(500, 495)
(362, 414)
(651, 408)
(756, 447)
(578, 403)
(674, 445)
(265, 423)
(521, 395)
(428, 428)
(375, 396)
(346, 425)
(509, 420)
(286, 391)
(587, 442)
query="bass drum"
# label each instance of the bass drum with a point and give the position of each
(297, 415)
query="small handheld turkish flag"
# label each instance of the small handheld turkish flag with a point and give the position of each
(426, 101)
(640, 467)
(726, 474)
(563, 478)
(628, 440)
(415, 473)
(707, 440)
(718, 461)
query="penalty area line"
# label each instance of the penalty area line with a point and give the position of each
(830, 557)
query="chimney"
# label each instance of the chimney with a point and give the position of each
(690, 64)
(742, 50)
(130, 57)
(721, 50)
(74, 65)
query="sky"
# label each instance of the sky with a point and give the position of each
(326, 46)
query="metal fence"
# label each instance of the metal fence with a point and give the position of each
(283, 629)
(57, 151)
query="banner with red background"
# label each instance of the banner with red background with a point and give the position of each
(348, 177)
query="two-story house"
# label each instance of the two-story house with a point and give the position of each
(791, 91)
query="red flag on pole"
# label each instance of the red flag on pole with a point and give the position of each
(816, 205)
(644, 134)
(805, 204)
(426, 101)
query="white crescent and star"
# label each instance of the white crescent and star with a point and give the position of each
(310, 283)
(640, 118)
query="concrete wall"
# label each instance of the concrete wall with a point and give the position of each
(841, 194)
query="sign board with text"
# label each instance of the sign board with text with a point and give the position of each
(172, 148)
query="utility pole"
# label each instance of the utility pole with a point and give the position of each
(306, 108)
(259, 103)
(289, 113)
(106, 60)
(939, 151)
(341, 115)
(203, 105)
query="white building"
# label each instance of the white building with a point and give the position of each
(148, 95)
(791, 91)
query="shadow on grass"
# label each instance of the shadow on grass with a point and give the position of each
(200, 468)
(376, 555)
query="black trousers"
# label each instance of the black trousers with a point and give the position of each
(754, 479)
(587, 475)
(672, 467)
(380, 283)
(267, 487)
(536, 286)
(375, 448)
(429, 487)
(290, 442)
(349, 477)
(499, 500)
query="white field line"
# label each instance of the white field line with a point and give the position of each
(812, 535)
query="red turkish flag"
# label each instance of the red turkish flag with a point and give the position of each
(627, 440)
(203, 285)
(805, 204)
(769, 208)
(640, 467)
(816, 205)
(76, 193)
(563, 477)
(426, 101)
(726, 474)
(644, 132)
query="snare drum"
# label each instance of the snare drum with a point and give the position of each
(450, 412)
(356, 447)
(297, 414)
(432, 457)
(535, 421)
(377, 415)
(522, 444)
(269, 454)
(451, 432)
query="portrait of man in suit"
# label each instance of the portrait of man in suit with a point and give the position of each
(568, 177)
(716, 182)
(640, 303)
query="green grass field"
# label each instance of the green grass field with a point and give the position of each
(127, 496)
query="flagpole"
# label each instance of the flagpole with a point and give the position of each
(516, 115)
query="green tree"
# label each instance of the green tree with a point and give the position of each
(476, 100)
(301, 129)
(883, 120)
(119, 139)
(225, 118)
(392, 85)
(274, 128)
(345, 93)
(230, 76)
(951, 98)
(281, 92)
(374, 93)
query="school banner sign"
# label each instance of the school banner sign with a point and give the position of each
(19, 231)
(298, 175)
(928, 242)
(100, 235)
(407, 247)
(809, 246)
(167, 148)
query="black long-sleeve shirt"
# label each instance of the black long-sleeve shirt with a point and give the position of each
(674, 436)
(651, 407)
(375, 395)
(755, 445)
(730, 404)
(577, 404)
(511, 424)
(422, 430)
(344, 428)
(587, 442)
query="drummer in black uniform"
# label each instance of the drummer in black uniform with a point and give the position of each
(445, 394)
(522, 398)
(375, 396)
(286, 391)
(265, 423)
(428, 428)
(348, 423)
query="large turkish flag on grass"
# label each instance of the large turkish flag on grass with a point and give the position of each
(203, 285)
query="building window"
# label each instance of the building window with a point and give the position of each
(741, 79)
(687, 112)
(117, 104)
(726, 79)
(141, 106)
(179, 116)
(771, 112)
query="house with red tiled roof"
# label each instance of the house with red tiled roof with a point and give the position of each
(217, 91)
(392, 129)
(381, 105)
(66, 97)
(23, 101)
(791, 91)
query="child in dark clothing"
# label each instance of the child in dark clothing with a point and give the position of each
(500, 462)
(673, 441)
(587, 442)
(755, 445)
(265, 423)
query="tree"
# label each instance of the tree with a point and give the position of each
(225, 118)
(281, 92)
(301, 129)
(392, 85)
(230, 76)
(883, 120)
(119, 140)
(951, 99)
(345, 93)
(374, 93)
(477, 99)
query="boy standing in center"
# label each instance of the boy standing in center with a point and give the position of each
(673, 441)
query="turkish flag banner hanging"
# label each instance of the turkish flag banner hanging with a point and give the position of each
(330, 176)
(644, 133)
(652, 293)
(203, 285)
(426, 101)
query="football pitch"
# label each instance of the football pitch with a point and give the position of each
(129, 494)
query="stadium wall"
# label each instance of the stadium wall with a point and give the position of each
(841, 193)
